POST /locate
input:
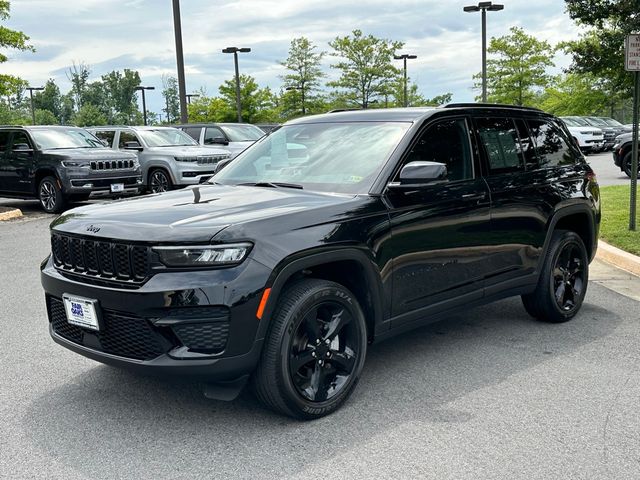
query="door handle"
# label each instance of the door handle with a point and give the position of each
(474, 196)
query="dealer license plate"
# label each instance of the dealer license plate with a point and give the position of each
(81, 311)
(117, 187)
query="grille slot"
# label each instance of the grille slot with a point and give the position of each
(122, 334)
(203, 337)
(112, 165)
(114, 261)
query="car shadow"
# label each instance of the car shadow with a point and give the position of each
(108, 423)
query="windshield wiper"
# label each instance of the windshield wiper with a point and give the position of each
(271, 185)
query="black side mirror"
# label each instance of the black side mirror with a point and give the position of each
(216, 141)
(133, 146)
(22, 147)
(414, 174)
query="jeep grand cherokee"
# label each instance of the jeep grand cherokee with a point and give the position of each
(281, 272)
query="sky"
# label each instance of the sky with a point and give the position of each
(138, 34)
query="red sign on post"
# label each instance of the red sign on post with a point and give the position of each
(632, 53)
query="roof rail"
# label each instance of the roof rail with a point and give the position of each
(492, 105)
(338, 110)
(12, 126)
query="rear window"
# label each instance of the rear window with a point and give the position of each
(501, 144)
(551, 144)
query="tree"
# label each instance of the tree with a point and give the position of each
(574, 94)
(121, 98)
(49, 99)
(517, 69)
(12, 39)
(366, 66)
(600, 50)
(208, 110)
(45, 117)
(78, 75)
(438, 100)
(304, 74)
(171, 99)
(89, 115)
(258, 104)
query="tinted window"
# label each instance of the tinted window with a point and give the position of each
(193, 132)
(211, 133)
(527, 147)
(499, 138)
(445, 142)
(106, 135)
(552, 147)
(20, 138)
(243, 133)
(127, 136)
(4, 140)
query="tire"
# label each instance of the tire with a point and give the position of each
(563, 280)
(159, 181)
(51, 197)
(626, 164)
(306, 377)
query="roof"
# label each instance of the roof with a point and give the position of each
(132, 127)
(40, 127)
(210, 124)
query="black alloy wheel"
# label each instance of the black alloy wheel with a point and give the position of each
(159, 181)
(322, 356)
(563, 280)
(51, 198)
(314, 351)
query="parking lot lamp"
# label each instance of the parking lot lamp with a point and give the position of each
(177, 27)
(235, 51)
(483, 7)
(144, 103)
(404, 58)
(33, 113)
(191, 95)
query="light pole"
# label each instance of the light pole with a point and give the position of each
(404, 58)
(191, 95)
(33, 113)
(301, 88)
(144, 103)
(483, 7)
(235, 51)
(177, 27)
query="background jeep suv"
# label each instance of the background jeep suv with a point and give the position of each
(59, 164)
(283, 270)
(168, 157)
(234, 137)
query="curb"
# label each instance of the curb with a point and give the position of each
(9, 214)
(619, 258)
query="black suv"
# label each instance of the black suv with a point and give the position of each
(283, 270)
(59, 164)
(622, 152)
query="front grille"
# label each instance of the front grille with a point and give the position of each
(210, 159)
(113, 165)
(111, 261)
(121, 334)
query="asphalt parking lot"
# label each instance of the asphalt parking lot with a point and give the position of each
(488, 394)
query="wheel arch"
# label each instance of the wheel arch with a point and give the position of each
(350, 267)
(579, 218)
(42, 173)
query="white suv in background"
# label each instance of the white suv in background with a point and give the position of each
(168, 157)
(234, 137)
(589, 139)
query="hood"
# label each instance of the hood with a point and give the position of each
(625, 137)
(90, 154)
(188, 150)
(194, 214)
(585, 129)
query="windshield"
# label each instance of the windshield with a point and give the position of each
(166, 137)
(328, 157)
(597, 121)
(570, 122)
(65, 138)
(580, 121)
(242, 133)
(612, 122)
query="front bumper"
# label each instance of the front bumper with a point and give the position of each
(170, 325)
(191, 173)
(101, 186)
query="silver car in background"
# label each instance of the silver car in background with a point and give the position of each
(168, 157)
(234, 137)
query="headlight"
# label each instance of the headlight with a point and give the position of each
(74, 164)
(587, 133)
(203, 255)
(186, 159)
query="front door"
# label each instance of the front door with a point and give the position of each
(439, 232)
(5, 136)
(19, 163)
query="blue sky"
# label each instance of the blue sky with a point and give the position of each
(138, 34)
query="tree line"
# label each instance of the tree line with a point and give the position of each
(517, 73)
